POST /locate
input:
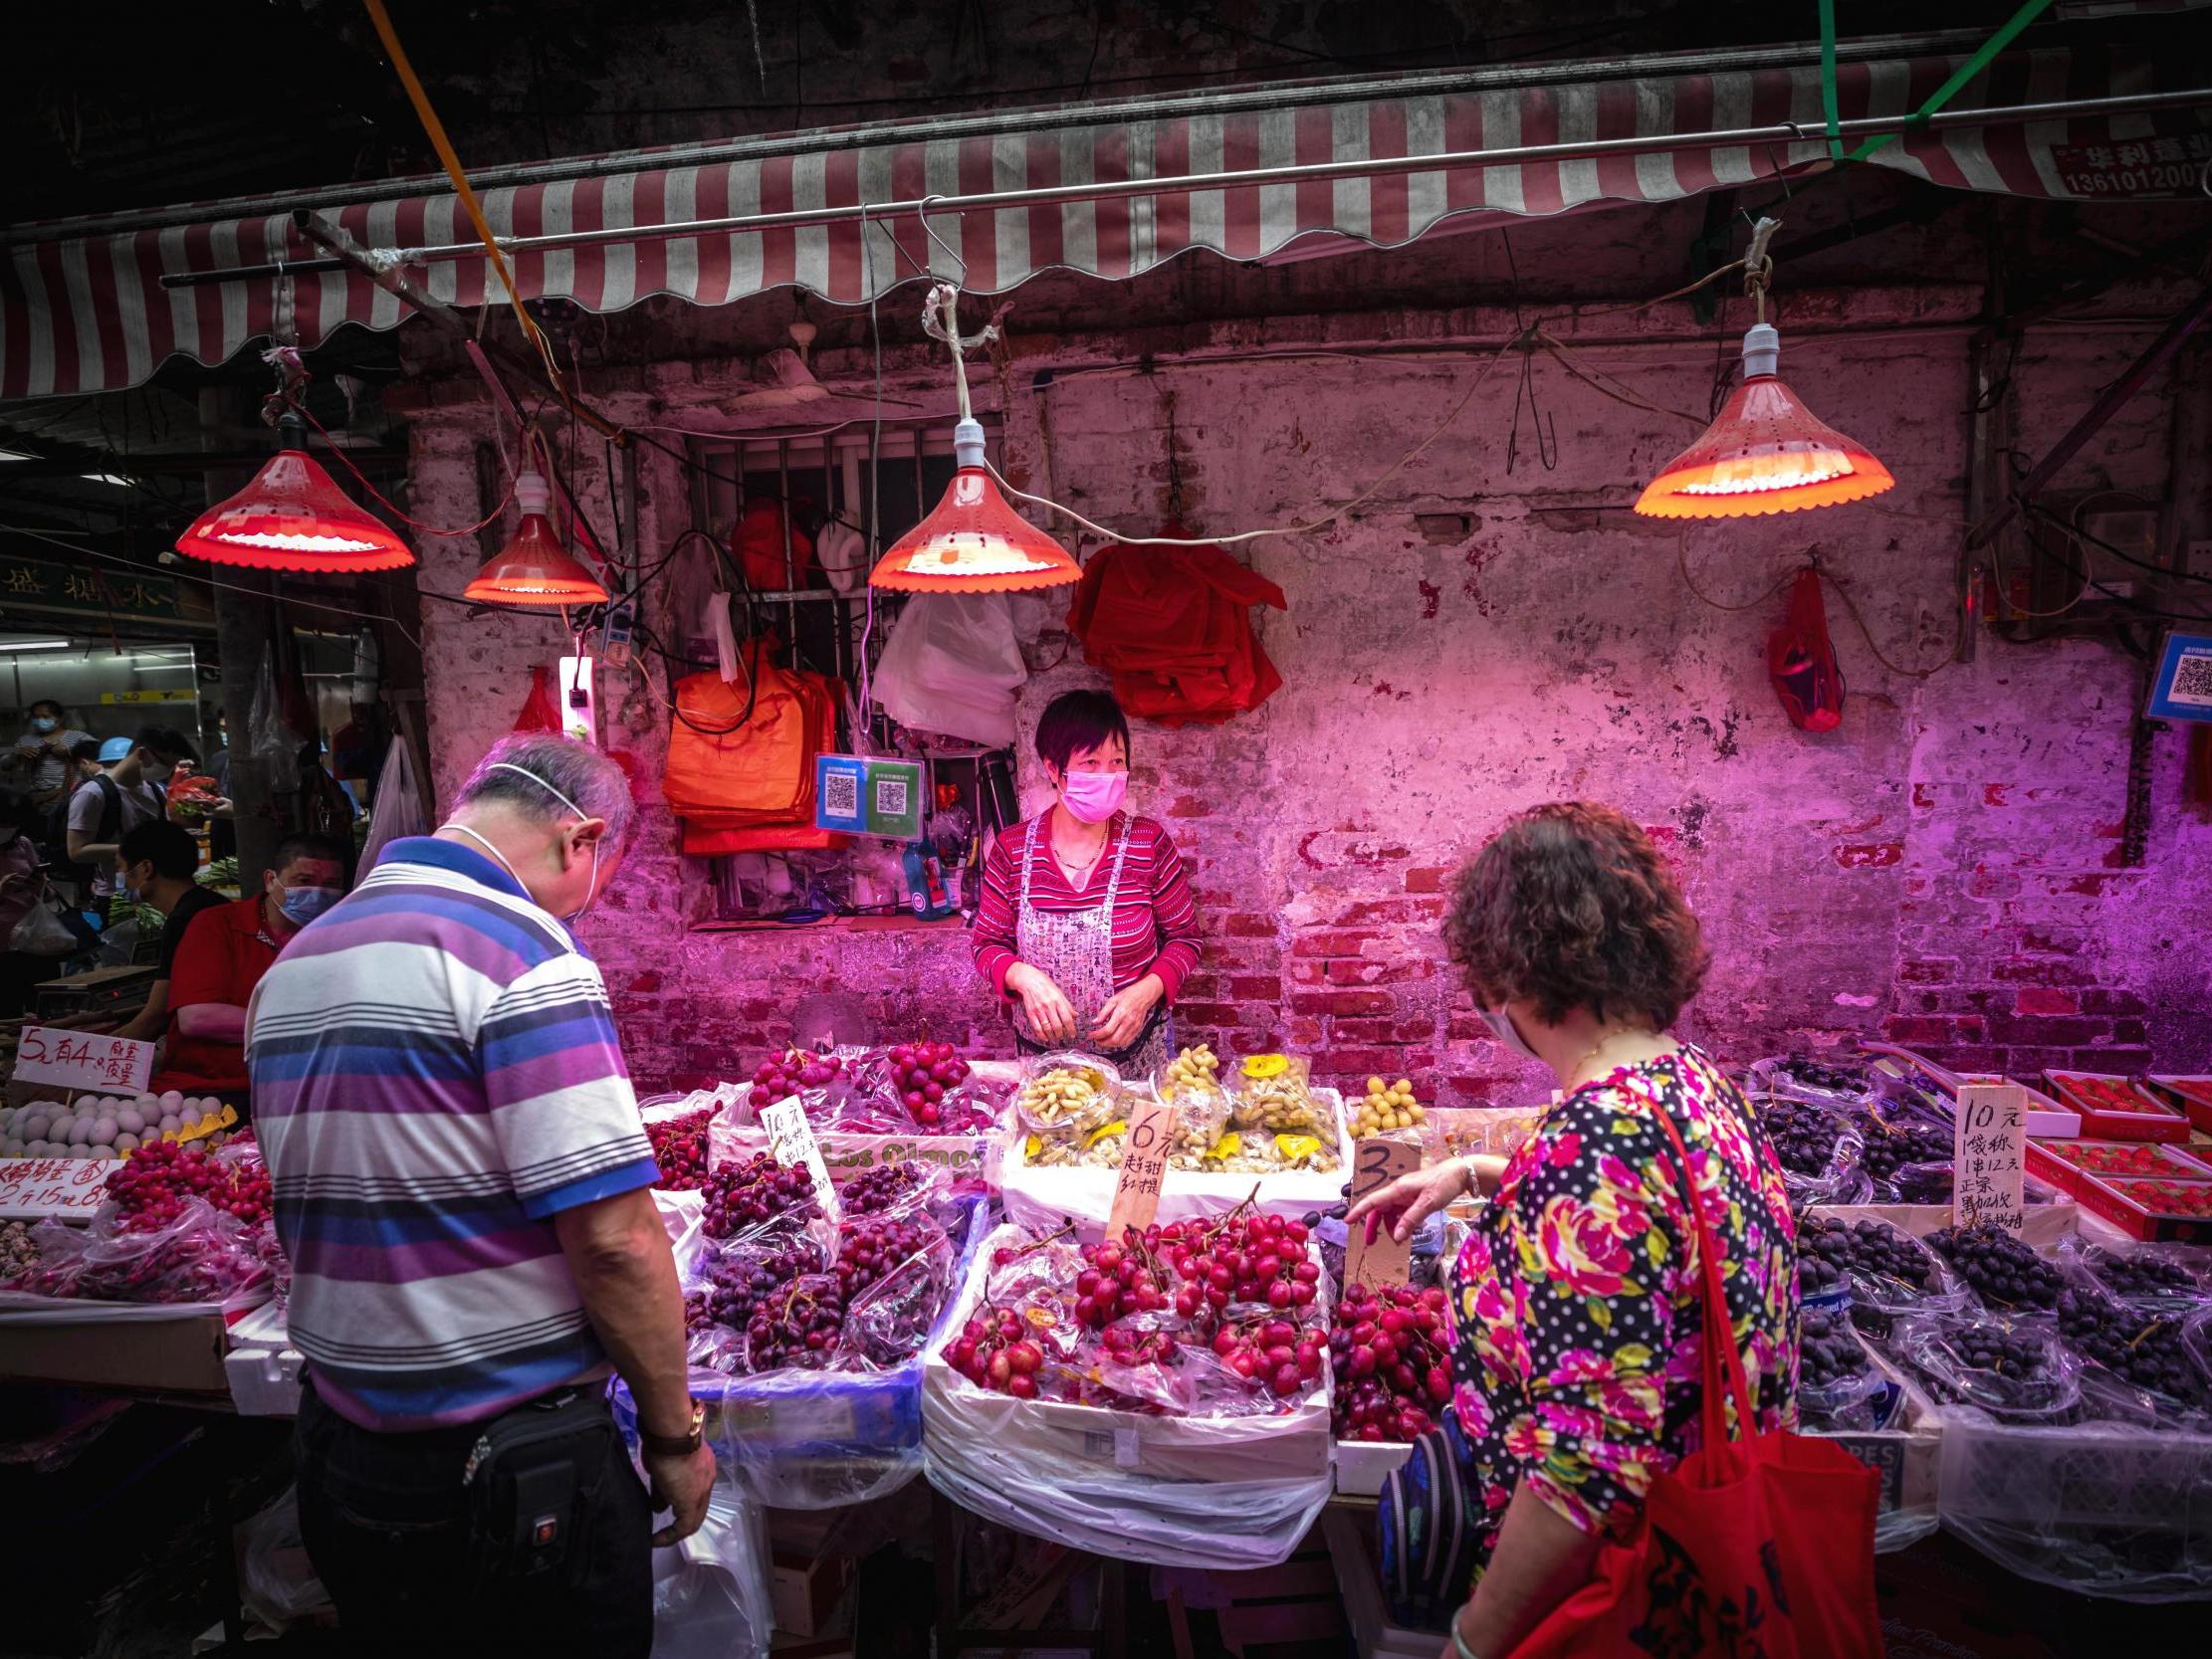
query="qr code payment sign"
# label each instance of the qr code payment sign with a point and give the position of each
(891, 797)
(2192, 680)
(841, 795)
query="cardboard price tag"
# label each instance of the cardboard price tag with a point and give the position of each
(1989, 1157)
(1380, 1260)
(82, 1060)
(791, 1141)
(32, 1188)
(1144, 1165)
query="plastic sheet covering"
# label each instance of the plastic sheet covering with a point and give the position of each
(1906, 1453)
(1205, 1492)
(277, 1585)
(202, 1257)
(397, 808)
(710, 1591)
(2099, 1509)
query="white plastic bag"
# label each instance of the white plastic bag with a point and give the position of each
(277, 1585)
(954, 665)
(268, 739)
(397, 809)
(40, 931)
(710, 1591)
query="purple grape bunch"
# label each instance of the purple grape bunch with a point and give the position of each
(745, 1194)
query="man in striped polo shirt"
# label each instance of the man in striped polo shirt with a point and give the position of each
(462, 1185)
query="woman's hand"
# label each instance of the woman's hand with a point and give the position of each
(1050, 1016)
(1122, 1014)
(1420, 1193)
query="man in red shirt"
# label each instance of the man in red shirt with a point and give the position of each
(222, 958)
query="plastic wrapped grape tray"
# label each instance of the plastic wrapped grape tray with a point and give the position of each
(819, 1439)
(977, 1154)
(1226, 1493)
(1043, 1198)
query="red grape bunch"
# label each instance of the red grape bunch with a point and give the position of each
(797, 1326)
(680, 1148)
(738, 1278)
(1273, 1351)
(150, 1186)
(875, 1190)
(793, 1071)
(1241, 1257)
(924, 1076)
(1393, 1370)
(742, 1195)
(995, 1352)
(870, 1249)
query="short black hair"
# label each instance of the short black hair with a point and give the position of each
(318, 847)
(48, 702)
(166, 740)
(85, 748)
(168, 847)
(1077, 721)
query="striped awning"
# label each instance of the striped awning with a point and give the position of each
(1109, 190)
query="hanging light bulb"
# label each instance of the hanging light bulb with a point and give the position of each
(533, 568)
(1765, 452)
(972, 541)
(293, 517)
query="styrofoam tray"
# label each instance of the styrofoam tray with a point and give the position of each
(1043, 1198)
(263, 1367)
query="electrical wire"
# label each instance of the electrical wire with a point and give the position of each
(1843, 592)
(2073, 527)
(338, 449)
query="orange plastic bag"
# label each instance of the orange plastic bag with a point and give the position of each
(740, 766)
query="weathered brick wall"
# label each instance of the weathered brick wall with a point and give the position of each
(1943, 869)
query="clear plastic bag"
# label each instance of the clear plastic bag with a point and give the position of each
(1274, 1093)
(1819, 1150)
(710, 1591)
(1818, 1081)
(887, 1324)
(2139, 1368)
(954, 665)
(201, 1256)
(2039, 1380)
(277, 1583)
(1192, 1085)
(2140, 1275)
(1063, 1094)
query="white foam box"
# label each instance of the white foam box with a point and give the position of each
(1045, 1197)
(1362, 1466)
(261, 1366)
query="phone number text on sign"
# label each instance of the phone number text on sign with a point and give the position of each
(78, 1060)
(2136, 168)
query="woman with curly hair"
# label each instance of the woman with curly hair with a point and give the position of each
(1576, 1305)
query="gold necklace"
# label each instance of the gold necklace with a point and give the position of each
(1575, 1078)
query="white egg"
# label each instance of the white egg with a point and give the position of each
(131, 1121)
(173, 1101)
(11, 1148)
(35, 1127)
(103, 1130)
(80, 1132)
(148, 1102)
(127, 1143)
(170, 1123)
(100, 1151)
(34, 1149)
(59, 1128)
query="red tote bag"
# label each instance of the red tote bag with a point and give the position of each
(1763, 1546)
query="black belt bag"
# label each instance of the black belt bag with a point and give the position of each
(531, 1476)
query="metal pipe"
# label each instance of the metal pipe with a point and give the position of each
(1304, 172)
(1289, 94)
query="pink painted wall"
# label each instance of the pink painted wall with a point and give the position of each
(1942, 870)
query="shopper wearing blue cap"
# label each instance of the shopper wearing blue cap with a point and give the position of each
(130, 790)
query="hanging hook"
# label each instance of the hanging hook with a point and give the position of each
(922, 212)
(1758, 266)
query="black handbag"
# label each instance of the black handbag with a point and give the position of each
(532, 1474)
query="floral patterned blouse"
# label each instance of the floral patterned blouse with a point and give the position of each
(1575, 1341)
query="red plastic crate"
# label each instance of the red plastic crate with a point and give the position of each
(2141, 1210)
(2113, 1108)
(2192, 1092)
(2066, 1163)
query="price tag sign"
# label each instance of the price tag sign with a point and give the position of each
(792, 1140)
(1380, 1260)
(1989, 1157)
(1144, 1165)
(81, 1059)
(32, 1188)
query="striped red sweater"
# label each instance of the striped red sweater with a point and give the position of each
(1156, 923)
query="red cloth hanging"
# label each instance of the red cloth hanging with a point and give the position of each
(1800, 661)
(1172, 627)
(757, 544)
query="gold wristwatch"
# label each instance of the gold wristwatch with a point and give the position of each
(678, 1445)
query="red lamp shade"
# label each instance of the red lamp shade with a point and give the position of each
(293, 517)
(533, 568)
(1765, 453)
(972, 542)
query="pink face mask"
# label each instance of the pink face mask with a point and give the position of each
(1094, 798)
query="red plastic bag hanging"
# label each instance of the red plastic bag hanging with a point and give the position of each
(540, 711)
(1173, 630)
(1760, 1545)
(1800, 661)
(757, 544)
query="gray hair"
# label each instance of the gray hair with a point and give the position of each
(525, 770)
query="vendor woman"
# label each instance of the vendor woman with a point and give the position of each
(1086, 923)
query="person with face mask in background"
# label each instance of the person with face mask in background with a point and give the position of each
(223, 957)
(40, 761)
(130, 790)
(1086, 922)
(156, 866)
(463, 1186)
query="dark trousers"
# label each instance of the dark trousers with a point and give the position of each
(389, 1527)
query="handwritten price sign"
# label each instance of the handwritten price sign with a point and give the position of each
(792, 1140)
(1989, 1157)
(77, 1060)
(69, 1187)
(1144, 1165)
(1380, 1260)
